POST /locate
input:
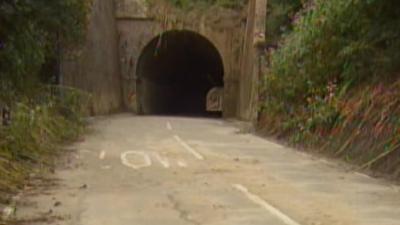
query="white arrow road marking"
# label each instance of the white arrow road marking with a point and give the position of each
(102, 155)
(169, 126)
(261, 202)
(163, 161)
(188, 148)
(125, 161)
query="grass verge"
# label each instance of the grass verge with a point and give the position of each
(40, 125)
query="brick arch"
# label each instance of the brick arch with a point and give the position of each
(175, 72)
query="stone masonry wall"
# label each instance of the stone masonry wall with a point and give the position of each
(138, 24)
(96, 68)
(119, 30)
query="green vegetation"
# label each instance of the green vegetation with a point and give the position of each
(30, 35)
(279, 18)
(332, 83)
(187, 4)
(43, 115)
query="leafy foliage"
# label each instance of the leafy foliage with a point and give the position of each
(43, 116)
(280, 15)
(336, 54)
(224, 3)
(38, 127)
(30, 35)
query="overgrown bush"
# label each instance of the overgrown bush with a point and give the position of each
(338, 50)
(32, 34)
(223, 3)
(280, 14)
(39, 125)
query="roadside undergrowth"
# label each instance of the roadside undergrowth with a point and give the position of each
(38, 128)
(44, 115)
(365, 131)
(332, 83)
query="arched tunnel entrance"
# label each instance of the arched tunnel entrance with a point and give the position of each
(176, 71)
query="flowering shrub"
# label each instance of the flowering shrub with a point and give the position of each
(323, 79)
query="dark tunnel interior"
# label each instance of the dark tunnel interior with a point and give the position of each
(175, 72)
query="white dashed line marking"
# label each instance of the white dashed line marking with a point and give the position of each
(261, 202)
(188, 148)
(146, 160)
(169, 126)
(102, 155)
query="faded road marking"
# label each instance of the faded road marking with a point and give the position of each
(182, 163)
(229, 145)
(146, 160)
(163, 161)
(261, 202)
(102, 155)
(106, 167)
(188, 148)
(169, 126)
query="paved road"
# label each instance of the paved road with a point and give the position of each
(185, 171)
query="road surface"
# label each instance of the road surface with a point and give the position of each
(188, 171)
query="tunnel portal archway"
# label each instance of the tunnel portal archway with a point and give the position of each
(175, 72)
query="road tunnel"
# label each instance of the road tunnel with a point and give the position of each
(175, 72)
